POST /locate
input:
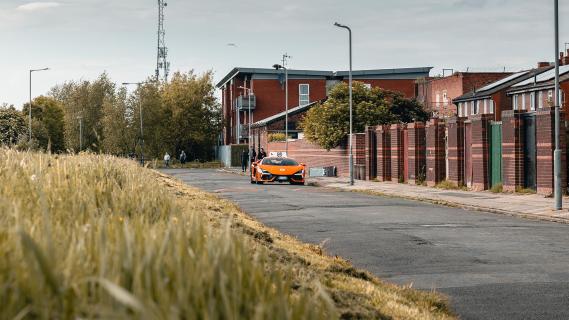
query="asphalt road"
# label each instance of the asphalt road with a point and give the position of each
(491, 266)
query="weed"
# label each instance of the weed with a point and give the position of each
(497, 188)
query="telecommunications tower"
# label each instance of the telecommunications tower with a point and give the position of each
(162, 64)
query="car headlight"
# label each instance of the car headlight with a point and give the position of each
(263, 171)
(301, 172)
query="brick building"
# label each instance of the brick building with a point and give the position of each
(437, 94)
(492, 98)
(305, 87)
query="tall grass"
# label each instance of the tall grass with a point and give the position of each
(96, 237)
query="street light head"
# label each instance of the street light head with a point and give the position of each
(277, 66)
(337, 24)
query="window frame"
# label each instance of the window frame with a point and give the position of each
(490, 106)
(515, 102)
(540, 99)
(532, 101)
(300, 94)
(474, 106)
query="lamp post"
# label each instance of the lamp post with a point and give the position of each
(80, 118)
(351, 161)
(138, 84)
(277, 67)
(557, 152)
(30, 111)
(249, 93)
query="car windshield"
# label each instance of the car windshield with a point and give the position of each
(279, 162)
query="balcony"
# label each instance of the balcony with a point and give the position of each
(242, 102)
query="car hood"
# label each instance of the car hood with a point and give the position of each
(281, 170)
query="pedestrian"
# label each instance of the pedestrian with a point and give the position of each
(244, 160)
(183, 157)
(262, 154)
(253, 155)
(167, 160)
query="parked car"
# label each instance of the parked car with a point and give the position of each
(278, 169)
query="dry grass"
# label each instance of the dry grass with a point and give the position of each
(99, 237)
(447, 185)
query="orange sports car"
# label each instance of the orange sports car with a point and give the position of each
(277, 169)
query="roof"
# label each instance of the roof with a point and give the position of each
(416, 72)
(542, 80)
(272, 71)
(282, 115)
(394, 73)
(497, 86)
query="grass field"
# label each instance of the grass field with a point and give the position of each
(99, 237)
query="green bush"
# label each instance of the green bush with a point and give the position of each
(277, 137)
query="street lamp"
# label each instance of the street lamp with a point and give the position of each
(138, 84)
(557, 152)
(33, 70)
(351, 161)
(278, 67)
(249, 93)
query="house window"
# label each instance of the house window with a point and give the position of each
(523, 101)
(465, 109)
(367, 85)
(303, 94)
(561, 99)
(540, 100)
(490, 106)
(532, 101)
(485, 106)
(460, 109)
(515, 102)
(445, 98)
(474, 106)
(438, 100)
(550, 97)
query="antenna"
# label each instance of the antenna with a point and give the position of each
(162, 63)
(285, 59)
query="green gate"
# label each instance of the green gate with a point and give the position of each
(496, 154)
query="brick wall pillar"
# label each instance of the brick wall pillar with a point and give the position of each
(371, 153)
(480, 151)
(455, 145)
(417, 152)
(435, 138)
(383, 139)
(359, 153)
(545, 139)
(512, 151)
(397, 153)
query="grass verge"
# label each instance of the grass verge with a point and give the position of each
(99, 237)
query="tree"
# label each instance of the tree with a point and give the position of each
(118, 131)
(47, 123)
(328, 124)
(12, 126)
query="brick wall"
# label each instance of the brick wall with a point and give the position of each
(435, 139)
(383, 139)
(455, 147)
(545, 139)
(480, 151)
(359, 153)
(397, 153)
(371, 153)
(512, 150)
(417, 152)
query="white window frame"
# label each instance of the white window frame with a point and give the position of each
(460, 111)
(515, 101)
(532, 101)
(474, 106)
(524, 101)
(550, 97)
(485, 106)
(301, 95)
(438, 100)
(445, 98)
(490, 106)
(540, 100)
(367, 85)
(561, 99)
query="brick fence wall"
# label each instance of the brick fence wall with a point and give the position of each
(512, 151)
(417, 152)
(455, 145)
(383, 139)
(435, 140)
(480, 151)
(545, 138)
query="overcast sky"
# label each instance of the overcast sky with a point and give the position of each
(79, 39)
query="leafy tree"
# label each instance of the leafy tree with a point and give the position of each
(328, 124)
(118, 132)
(47, 123)
(12, 126)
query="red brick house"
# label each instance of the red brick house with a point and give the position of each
(492, 98)
(305, 86)
(437, 94)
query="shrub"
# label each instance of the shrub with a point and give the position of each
(277, 137)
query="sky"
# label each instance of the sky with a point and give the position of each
(80, 39)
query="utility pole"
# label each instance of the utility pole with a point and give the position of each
(162, 63)
(80, 117)
(557, 152)
(284, 66)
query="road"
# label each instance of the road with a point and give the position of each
(491, 266)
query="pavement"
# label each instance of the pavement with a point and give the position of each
(492, 266)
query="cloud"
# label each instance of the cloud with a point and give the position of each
(35, 6)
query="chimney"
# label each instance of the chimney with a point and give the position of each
(561, 58)
(543, 64)
(565, 60)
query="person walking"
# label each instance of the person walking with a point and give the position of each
(253, 155)
(244, 160)
(183, 157)
(167, 160)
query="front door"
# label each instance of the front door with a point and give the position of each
(496, 154)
